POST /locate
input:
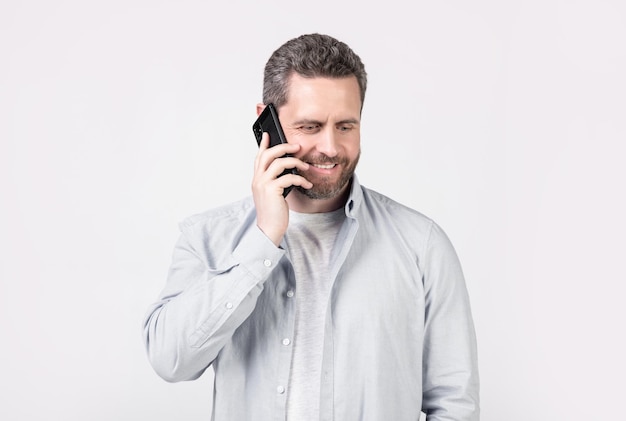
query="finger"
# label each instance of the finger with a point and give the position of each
(266, 156)
(263, 144)
(282, 149)
(287, 180)
(279, 165)
(265, 141)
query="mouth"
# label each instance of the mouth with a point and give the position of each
(324, 166)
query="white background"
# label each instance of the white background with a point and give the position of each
(504, 121)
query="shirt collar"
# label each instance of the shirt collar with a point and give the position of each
(355, 199)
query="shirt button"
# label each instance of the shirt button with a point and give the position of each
(267, 263)
(229, 305)
(290, 293)
(280, 390)
(286, 341)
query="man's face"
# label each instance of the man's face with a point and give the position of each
(323, 116)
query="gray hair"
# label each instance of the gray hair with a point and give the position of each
(312, 55)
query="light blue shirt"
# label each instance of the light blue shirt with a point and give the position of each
(399, 336)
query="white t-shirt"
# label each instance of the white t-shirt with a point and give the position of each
(310, 241)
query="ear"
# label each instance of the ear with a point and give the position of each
(259, 109)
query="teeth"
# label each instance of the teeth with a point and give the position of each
(324, 167)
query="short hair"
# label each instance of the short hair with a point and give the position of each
(310, 55)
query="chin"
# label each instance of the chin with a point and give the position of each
(323, 191)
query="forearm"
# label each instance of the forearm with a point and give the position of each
(451, 383)
(201, 307)
(185, 333)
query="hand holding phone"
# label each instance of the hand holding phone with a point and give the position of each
(272, 172)
(268, 122)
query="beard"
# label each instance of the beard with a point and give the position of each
(325, 187)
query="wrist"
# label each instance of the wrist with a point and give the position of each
(275, 236)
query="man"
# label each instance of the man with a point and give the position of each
(334, 303)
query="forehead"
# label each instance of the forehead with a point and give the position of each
(323, 93)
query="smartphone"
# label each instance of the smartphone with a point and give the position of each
(268, 122)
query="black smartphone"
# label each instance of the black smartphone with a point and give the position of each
(268, 122)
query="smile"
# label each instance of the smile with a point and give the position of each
(324, 167)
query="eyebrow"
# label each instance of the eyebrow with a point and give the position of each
(309, 121)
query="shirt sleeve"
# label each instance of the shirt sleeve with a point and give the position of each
(203, 303)
(450, 366)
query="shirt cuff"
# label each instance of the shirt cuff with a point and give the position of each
(257, 253)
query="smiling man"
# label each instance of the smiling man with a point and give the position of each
(332, 303)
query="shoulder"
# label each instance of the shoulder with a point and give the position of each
(225, 217)
(215, 233)
(387, 214)
(409, 228)
(379, 204)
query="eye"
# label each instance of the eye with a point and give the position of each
(346, 127)
(310, 128)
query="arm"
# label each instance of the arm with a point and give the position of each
(450, 383)
(202, 306)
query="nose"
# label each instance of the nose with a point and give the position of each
(327, 142)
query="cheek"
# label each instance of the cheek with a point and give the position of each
(306, 148)
(295, 138)
(353, 146)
